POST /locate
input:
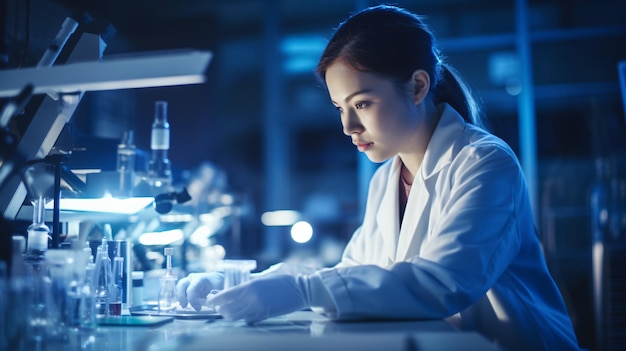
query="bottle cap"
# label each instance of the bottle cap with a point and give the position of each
(18, 244)
(137, 275)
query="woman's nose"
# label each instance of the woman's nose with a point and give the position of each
(351, 123)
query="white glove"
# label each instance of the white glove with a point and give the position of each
(196, 286)
(262, 298)
(286, 268)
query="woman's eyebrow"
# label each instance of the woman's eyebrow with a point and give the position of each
(349, 97)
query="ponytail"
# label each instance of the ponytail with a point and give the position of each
(451, 89)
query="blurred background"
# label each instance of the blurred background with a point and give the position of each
(261, 134)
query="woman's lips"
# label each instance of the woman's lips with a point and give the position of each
(363, 146)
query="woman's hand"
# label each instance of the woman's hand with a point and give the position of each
(262, 298)
(196, 286)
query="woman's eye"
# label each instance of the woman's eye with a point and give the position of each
(360, 105)
(339, 109)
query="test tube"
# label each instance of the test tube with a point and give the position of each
(236, 272)
(115, 305)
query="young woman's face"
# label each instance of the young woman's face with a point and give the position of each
(380, 119)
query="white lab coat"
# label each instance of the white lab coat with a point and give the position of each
(467, 249)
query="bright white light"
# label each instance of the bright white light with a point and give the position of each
(280, 218)
(301, 232)
(176, 218)
(161, 238)
(200, 236)
(227, 199)
(206, 229)
(129, 205)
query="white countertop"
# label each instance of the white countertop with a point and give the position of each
(303, 330)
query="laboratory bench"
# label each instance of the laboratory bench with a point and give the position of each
(302, 331)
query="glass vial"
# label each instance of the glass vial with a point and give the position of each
(37, 240)
(137, 292)
(87, 308)
(159, 168)
(126, 156)
(38, 231)
(167, 291)
(115, 303)
(103, 280)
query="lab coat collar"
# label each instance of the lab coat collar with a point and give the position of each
(438, 155)
(440, 148)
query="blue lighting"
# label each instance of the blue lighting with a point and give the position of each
(301, 52)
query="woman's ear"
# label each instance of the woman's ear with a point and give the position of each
(421, 84)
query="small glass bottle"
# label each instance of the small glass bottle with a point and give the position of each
(115, 303)
(159, 168)
(18, 267)
(87, 309)
(167, 291)
(126, 156)
(103, 280)
(38, 231)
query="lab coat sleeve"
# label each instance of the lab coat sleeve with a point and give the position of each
(474, 236)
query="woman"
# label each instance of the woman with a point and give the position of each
(448, 229)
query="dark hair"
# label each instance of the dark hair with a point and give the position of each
(394, 42)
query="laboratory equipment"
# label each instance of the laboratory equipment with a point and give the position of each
(68, 82)
(137, 291)
(66, 273)
(236, 272)
(167, 293)
(87, 250)
(163, 203)
(40, 182)
(116, 248)
(179, 313)
(15, 304)
(37, 231)
(87, 308)
(103, 280)
(159, 168)
(115, 305)
(108, 232)
(126, 155)
(18, 267)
